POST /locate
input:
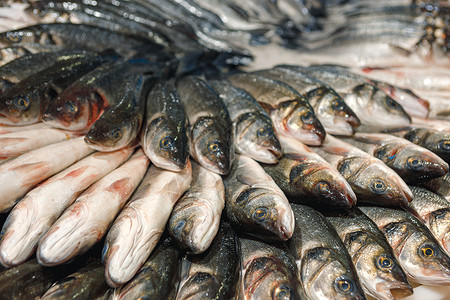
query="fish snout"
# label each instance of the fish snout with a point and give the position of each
(394, 289)
(286, 225)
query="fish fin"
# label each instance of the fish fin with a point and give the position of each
(33, 172)
(75, 173)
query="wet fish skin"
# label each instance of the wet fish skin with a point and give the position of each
(195, 218)
(437, 141)
(86, 283)
(211, 275)
(4, 129)
(156, 277)
(418, 252)
(140, 224)
(324, 267)
(412, 162)
(440, 186)
(268, 271)
(379, 271)
(38, 210)
(434, 211)
(306, 178)
(210, 126)
(254, 202)
(119, 125)
(8, 54)
(371, 180)
(25, 102)
(333, 113)
(164, 135)
(290, 112)
(254, 134)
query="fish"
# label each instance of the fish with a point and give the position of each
(268, 271)
(139, 226)
(374, 108)
(86, 283)
(418, 252)
(16, 143)
(76, 36)
(19, 175)
(254, 133)
(434, 211)
(336, 117)
(324, 266)
(164, 134)
(8, 54)
(195, 218)
(119, 125)
(13, 128)
(83, 224)
(211, 275)
(413, 163)
(210, 127)
(440, 186)
(290, 112)
(378, 270)
(156, 277)
(370, 179)
(40, 208)
(25, 102)
(27, 281)
(255, 204)
(306, 178)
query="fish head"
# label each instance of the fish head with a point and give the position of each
(434, 140)
(255, 136)
(379, 107)
(333, 113)
(11, 53)
(39, 11)
(325, 276)
(322, 183)
(4, 85)
(378, 269)
(264, 214)
(439, 221)
(201, 285)
(375, 183)
(269, 278)
(111, 133)
(22, 107)
(166, 143)
(29, 35)
(212, 145)
(414, 164)
(299, 121)
(76, 109)
(420, 254)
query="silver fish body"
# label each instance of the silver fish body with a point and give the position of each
(440, 186)
(437, 141)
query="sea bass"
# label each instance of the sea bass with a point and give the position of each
(416, 249)
(195, 218)
(41, 207)
(379, 271)
(254, 135)
(371, 180)
(307, 178)
(254, 202)
(21, 174)
(210, 127)
(164, 134)
(290, 112)
(440, 186)
(324, 267)
(137, 229)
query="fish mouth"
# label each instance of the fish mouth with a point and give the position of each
(269, 155)
(350, 118)
(339, 126)
(394, 290)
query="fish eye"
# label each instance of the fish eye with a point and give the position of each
(336, 104)
(71, 107)
(444, 145)
(427, 251)
(260, 214)
(391, 103)
(384, 262)
(22, 102)
(344, 285)
(414, 162)
(166, 142)
(13, 37)
(115, 134)
(282, 292)
(263, 132)
(214, 146)
(377, 186)
(307, 117)
(179, 226)
(322, 187)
